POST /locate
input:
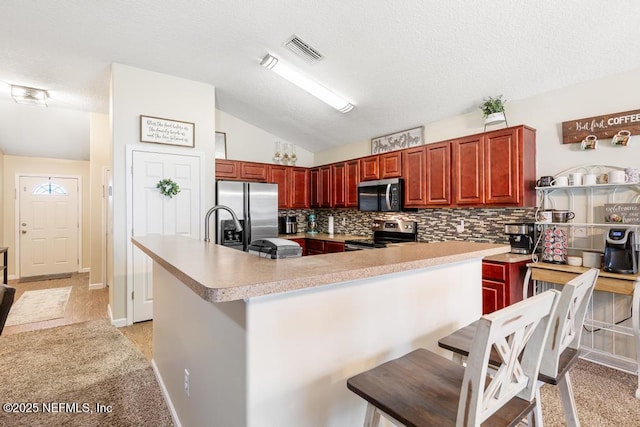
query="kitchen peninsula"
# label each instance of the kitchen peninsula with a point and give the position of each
(245, 341)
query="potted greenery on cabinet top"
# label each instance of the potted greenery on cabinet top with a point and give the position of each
(493, 110)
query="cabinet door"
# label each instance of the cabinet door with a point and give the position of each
(438, 176)
(325, 185)
(227, 169)
(352, 178)
(415, 177)
(501, 157)
(332, 247)
(338, 177)
(281, 175)
(314, 247)
(468, 158)
(492, 296)
(253, 171)
(315, 192)
(299, 188)
(369, 168)
(391, 165)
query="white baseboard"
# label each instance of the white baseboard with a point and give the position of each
(96, 286)
(13, 277)
(165, 393)
(85, 270)
(118, 323)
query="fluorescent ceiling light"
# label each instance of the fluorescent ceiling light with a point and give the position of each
(29, 95)
(303, 82)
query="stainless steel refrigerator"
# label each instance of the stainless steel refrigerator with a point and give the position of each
(255, 204)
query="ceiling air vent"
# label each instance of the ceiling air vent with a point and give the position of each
(302, 49)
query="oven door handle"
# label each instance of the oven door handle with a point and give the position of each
(387, 197)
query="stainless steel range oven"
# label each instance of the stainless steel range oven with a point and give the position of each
(385, 232)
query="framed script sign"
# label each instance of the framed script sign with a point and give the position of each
(165, 131)
(397, 141)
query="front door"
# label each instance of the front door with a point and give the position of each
(154, 213)
(48, 225)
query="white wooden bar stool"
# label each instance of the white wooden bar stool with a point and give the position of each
(425, 389)
(561, 349)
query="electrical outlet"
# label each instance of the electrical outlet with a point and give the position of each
(580, 232)
(344, 222)
(460, 228)
(186, 382)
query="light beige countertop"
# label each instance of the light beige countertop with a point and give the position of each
(509, 258)
(341, 238)
(217, 273)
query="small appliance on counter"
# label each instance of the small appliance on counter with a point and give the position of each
(287, 224)
(522, 237)
(621, 251)
(312, 225)
(275, 248)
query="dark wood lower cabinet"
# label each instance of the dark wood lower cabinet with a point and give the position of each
(314, 247)
(502, 284)
(319, 247)
(303, 245)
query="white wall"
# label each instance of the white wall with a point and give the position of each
(136, 92)
(248, 142)
(100, 149)
(545, 113)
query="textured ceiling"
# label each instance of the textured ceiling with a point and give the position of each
(402, 63)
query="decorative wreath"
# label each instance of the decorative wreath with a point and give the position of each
(168, 187)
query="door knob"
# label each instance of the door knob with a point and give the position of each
(24, 224)
(24, 231)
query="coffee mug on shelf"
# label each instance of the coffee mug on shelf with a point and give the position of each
(575, 178)
(590, 179)
(621, 138)
(561, 181)
(544, 216)
(617, 177)
(544, 181)
(562, 216)
(633, 175)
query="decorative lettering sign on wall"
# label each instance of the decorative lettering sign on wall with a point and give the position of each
(165, 131)
(398, 141)
(627, 213)
(603, 127)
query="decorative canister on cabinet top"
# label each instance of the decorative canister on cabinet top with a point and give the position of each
(554, 246)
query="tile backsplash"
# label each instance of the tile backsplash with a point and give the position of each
(434, 225)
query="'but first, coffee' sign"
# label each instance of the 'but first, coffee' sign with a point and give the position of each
(603, 127)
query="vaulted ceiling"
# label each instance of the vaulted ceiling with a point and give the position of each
(402, 63)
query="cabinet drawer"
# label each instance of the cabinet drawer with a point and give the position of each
(494, 271)
(315, 245)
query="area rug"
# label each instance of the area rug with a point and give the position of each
(85, 374)
(36, 306)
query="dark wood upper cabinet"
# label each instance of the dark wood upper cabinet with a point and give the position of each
(227, 169)
(299, 188)
(352, 178)
(468, 167)
(369, 168)
(438, 176)
(315, 192)
(391, 165)
(326, 198)
(415, 177)
(338, 172)
(252, 171)
(281, 175)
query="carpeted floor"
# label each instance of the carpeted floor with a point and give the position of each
(69, 370)
(604, 397)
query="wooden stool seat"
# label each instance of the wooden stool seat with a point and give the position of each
(459, 343)
(423, 389)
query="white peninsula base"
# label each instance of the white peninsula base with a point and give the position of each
(283, 359)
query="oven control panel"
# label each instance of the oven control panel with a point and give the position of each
(395, 225)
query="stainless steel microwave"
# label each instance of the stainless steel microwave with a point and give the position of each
(383, 195)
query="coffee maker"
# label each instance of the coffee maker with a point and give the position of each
(621, 251)
(522, 237)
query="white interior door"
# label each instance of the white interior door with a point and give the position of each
(154, 213)
(48, 225)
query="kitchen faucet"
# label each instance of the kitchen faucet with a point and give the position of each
(212, 210)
